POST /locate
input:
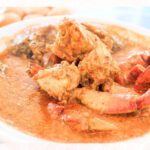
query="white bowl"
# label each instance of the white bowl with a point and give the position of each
(8, 134)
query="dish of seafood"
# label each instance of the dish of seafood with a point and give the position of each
(77, 82)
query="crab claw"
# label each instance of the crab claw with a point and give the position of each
(144, 100)
(143, 81)
(107, 103)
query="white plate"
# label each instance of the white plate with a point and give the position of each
(8, 134)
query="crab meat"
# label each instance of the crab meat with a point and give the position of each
(107, 103)
(73, 41)
(59, 80)
(80, 118)
(98, 66)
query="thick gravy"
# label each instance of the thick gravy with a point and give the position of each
(25, 107)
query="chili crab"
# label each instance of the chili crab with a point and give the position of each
(89, 74)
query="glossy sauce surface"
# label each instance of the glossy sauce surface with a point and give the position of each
(25, 107)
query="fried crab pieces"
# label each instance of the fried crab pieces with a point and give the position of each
(59, 80)
(73, 41)
(98, 66)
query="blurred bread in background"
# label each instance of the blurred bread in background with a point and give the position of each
(10, 15)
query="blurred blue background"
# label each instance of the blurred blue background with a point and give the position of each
(139, 16)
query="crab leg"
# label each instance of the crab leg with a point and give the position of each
(80, 118)
(107, 103)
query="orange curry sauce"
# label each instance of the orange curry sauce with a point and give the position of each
(24, 106)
